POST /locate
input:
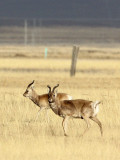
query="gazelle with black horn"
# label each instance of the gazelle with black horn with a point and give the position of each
(77, 108)
(42, 100)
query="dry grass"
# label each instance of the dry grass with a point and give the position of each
(23, 138)
(59, 52)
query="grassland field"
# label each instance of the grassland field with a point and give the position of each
(97, 78)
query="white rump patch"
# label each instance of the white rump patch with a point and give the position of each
(95, 106)
(69, 97)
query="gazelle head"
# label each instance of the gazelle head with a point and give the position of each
(52, 94)
(28, 92)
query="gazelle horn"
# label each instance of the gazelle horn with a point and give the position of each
(55, 87)
(49, 88)
(31, 83)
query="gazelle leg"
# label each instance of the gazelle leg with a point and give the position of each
(64, 124)
(47, 117)
(87, 122)
(95, 119)
(38, 114)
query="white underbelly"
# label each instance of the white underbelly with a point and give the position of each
(77, 115)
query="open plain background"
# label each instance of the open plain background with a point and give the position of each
(97, 78)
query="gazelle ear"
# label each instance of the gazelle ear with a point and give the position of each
(48, 90)
(56, 92)
(33, 84)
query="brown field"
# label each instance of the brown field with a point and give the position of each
(97, 78)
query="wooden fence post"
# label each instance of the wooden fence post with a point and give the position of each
(74, 60)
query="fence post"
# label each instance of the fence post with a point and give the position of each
(33, 31)
(40, 31)
(25, 32)
(74, 60)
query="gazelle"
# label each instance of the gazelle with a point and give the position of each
(42, 100)
(77, 108)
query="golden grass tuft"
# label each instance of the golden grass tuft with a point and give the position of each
(23, 138)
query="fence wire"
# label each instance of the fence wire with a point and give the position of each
(59, 31)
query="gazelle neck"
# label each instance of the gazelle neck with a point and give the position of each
(55, 106)
(34, 97)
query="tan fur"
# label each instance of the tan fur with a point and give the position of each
(41, 100)
(78, 108)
